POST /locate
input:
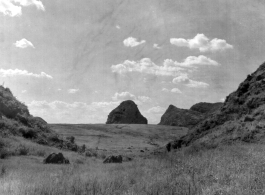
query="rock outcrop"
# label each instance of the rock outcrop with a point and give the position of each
(113, 159)
(180, 117)
(241, 117)
(126, 113)
(188, 117)
(56, 159)
(205, 107)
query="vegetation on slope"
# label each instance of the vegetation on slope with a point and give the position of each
(241, 117)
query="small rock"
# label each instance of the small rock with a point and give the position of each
(56, 159)
(113, 159)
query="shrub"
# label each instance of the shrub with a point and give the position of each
(4, 153)
(71, 139)
(22, 150)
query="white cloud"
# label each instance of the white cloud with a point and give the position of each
(118, 27)
(132, 42)
(192, 61)
(203, 43)
(123, 96)
(175, 90)
(14, 7)
(156, 46)
(146, 66)
(144, 99)
(72, 91)
(156, 109)
(169, 67)
(24, 91)
(76, 112)
(165, 90)
(17, 72)
(8, 8)
(188, 82)
(23, 43)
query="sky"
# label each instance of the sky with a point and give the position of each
(74, 61)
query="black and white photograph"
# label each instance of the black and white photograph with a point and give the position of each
(132, 97)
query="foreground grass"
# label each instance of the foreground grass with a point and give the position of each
(237, 169)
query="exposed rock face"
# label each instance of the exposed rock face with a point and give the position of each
(206, 108)
(126, 113)
(242, 116)
(113, 159)
(56, 159)
(180, 117)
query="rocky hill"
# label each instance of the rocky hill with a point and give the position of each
(126, 113)
(205, 107)
(180, 117)
(16, 120)
(188, 117)
(242, 116)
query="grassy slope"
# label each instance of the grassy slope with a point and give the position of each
(234, 170)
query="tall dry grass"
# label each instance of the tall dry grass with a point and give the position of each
(237, 169)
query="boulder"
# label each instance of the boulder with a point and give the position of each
(113, 159)
(56, 159)
(126, 113)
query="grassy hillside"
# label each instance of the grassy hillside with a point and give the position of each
(231, 170)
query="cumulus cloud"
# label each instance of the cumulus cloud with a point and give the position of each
(192, 61)
(14, 7)
(169, 67)
(146, 66)
(17, 72)
(123, 96)
(183, 79)
(144, 99)
(203, 43)
(23, 43)
(76, 112)
(72, 91)
(165, 90)
(156, 46)
(156, 109)
(175, 90)
(132, 42)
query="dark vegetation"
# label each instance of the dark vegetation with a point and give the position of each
(15, 120)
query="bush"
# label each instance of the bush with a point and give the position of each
(71, 139)
(4, 153)
(22, 150)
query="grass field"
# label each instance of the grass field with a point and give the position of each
(123, 139)
(237, 169)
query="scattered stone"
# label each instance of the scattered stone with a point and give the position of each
(113, 159)
(56, 159)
